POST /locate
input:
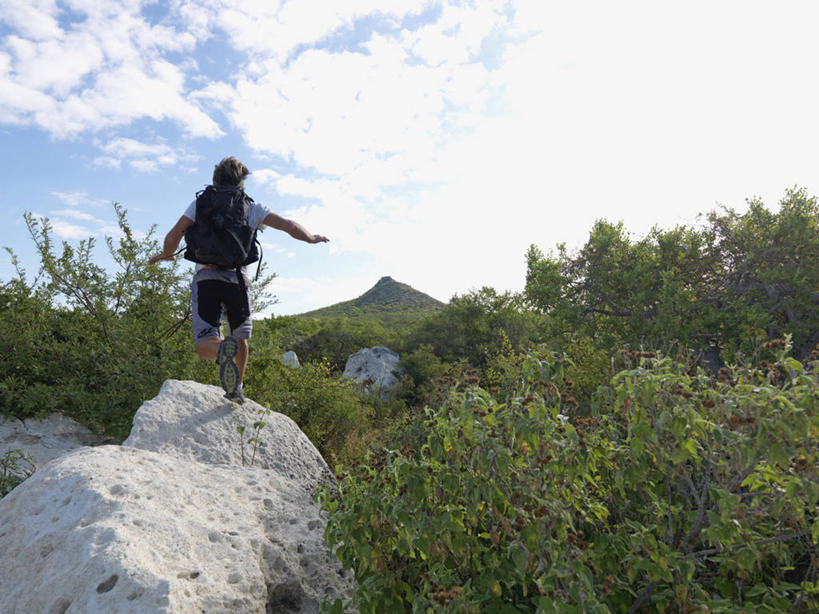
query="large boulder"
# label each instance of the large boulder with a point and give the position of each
(172, 521)
(375, 368)
(195, 422)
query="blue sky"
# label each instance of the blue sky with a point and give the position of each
(432, 141)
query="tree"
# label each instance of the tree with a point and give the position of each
(770, 271)
(739, 279)
(476, 326)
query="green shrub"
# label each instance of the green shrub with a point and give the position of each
(739, 278)
(89, 342)
(337, 339)
(15, 467)
(678, 494)
(327, 408)
(422, 369)
(475, 327)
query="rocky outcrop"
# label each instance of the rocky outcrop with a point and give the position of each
(194, 422)
(171, 521)
(45, 439)
(291, 359)
(375, 368)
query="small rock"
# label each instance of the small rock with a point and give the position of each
(290, 359)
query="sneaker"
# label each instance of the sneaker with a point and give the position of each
(228, 371)
(237, 396)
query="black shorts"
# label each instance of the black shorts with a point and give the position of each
(213, 300)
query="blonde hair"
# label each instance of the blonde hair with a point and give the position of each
(229, 172)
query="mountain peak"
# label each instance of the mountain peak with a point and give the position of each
(386, 298)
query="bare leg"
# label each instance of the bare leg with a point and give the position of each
(241, 359)
(208, 347)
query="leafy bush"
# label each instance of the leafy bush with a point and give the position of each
(328, 409)
(337, 339)
(679, 494)
(422, 368)
(89, 342)
(15, 467)
(475, 327)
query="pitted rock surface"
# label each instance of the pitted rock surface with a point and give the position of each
(128, 529)
(194, 421)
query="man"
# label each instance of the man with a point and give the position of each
(216, 292)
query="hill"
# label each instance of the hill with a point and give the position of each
(387, 301)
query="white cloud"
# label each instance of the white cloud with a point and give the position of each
(264, 176)
(277, 249)
(269, 28)
(106, 69)
(337, 113)
(77, 215)
(143, 157)
(56, 65)
(74, 223)
(107, 162)
(125, 147)
(34, 18)
(76, 199)
(69, 230)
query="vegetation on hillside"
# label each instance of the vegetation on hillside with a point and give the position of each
(634, 432)
(388, 302)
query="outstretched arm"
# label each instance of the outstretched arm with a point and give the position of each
(172, 240)
(294, 229)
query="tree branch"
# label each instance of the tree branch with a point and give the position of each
(761, 542)
(644, 596)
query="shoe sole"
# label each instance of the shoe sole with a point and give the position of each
(228, 371)
(236, 397)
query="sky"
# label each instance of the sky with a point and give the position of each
(431, 141)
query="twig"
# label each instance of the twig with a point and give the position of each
(761, 542)
(642, 597)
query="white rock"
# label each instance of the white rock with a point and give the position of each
(195, 422)
(46, 439)
(376, 368)
(116, 529)
(291, 359)
(172, 522)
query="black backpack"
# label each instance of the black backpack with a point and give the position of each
(220, 235)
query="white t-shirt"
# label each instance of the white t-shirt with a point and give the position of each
(255, 219)
(255, 214)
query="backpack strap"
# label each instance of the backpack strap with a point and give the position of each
(238, 242)
(261, 257)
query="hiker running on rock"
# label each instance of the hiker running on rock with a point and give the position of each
(219, 228)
